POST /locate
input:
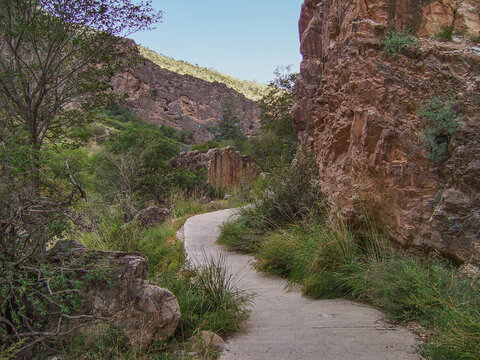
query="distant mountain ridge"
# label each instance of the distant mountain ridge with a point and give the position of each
(185, 102)
(251, 89)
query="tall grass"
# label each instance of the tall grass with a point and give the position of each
(157, 244)
(207, 294)
(184, 207)
(293, 235)
(209, 298)
(330, 260)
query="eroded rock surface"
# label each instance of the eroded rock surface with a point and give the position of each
(358, 110)
(225, 167)
(115, 286)
(162, 97)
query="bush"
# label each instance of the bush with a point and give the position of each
(445, 33)
(395, 41)
(292, 194)
(277, 254)
(205, 146)
(158, 244)
(442, 125)
(239, 236)
(208, 297)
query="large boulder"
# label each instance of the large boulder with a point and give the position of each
(115, 287)
(225, 167)
(151, 216)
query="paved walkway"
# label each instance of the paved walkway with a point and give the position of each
(284, 325)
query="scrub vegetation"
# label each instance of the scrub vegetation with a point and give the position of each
(251, 89)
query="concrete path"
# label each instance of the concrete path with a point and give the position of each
(284, 325)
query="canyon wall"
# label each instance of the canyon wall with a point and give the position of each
(184, 102)
(357, 109)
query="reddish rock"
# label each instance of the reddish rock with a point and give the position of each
(162, 97)
(358, 111)
(225, 167)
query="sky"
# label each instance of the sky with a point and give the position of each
(246, 39)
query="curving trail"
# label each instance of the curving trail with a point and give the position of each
(284, 325)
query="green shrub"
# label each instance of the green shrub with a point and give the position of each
(445, 33)
(205, 146)
(292, 194)
(208, 297)
(9, 352)
(442, 125)
(395, 41)
(277, 254)
(158, 244)
(240, 237)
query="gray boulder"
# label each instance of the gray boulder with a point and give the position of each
(116, 287)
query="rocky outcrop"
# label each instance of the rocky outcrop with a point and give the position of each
(357, 109)
(225, 168)
(115, 287)
(151, 216)
(183, 102)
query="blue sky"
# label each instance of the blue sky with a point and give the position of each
(247, 39)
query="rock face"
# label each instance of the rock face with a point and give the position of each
(358, 111)
(225, 168)
(115, 286)
(162, 97)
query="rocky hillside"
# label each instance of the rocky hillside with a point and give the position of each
(185, 102)
(359, 109)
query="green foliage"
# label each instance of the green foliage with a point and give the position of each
(330, 260)
(251, 90)
(9, 352)
(205, 146)
(133, 167)
(209, 298)
(291, 194)
(100, 342)
(445, 33)
(239, 236)
(442, 125)
(157, 244)
(228, 128)
(395, 41)
(56, 62)
(276, 143)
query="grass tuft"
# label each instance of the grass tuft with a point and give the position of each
(395, 41)
(445, 33)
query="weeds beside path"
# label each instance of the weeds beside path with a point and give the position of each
(285, 325)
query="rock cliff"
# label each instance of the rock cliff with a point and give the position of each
(184, 102)
(357, 109)
(226, 167)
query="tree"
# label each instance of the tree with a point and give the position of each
(56, 61)
(57, 57)
(276, 143)
(275, 106)
(228, 127)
